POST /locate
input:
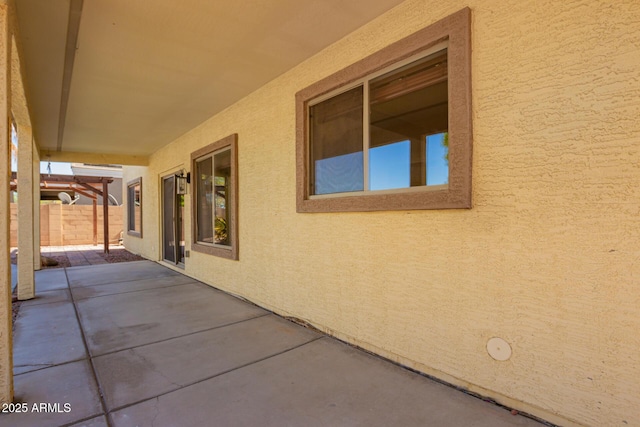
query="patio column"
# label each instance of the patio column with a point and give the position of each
(36, 208)
(26, 277)
(6, 350)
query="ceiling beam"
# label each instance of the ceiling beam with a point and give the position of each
(94, 158)
(73, 27)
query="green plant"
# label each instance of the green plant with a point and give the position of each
(220, 229)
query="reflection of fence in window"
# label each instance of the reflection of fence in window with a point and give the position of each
(134, 207)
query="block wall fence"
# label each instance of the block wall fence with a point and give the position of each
(70, 225)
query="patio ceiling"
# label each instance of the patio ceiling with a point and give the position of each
(141, 73)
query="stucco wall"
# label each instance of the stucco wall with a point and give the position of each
(547, 259)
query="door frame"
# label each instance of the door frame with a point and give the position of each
(179, 262)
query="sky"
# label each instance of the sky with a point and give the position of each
(57, 168)
(389, 165)
(389, 168)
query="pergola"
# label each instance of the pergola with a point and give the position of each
(85, 185)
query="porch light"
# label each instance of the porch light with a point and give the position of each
(181, 183)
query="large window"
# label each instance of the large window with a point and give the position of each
(392, 131)
(215, 199)
(134, 207)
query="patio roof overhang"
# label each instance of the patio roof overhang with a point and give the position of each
(112, 81)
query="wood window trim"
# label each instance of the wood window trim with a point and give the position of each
(131, 184)
(456, 30)
(232, 253)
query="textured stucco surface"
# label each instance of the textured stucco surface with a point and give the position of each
(6, 360)
(26, 266)
(547, 259)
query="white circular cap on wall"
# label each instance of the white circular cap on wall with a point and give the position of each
(499, 349)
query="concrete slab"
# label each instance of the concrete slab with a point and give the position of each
(71, 384)
(94, 422)
(61, 295)
(121, 321)
(81, 292)
(189, 355)
(323, 383)
(92, 275)
(51, 279)
(46, 335)
(140, 373)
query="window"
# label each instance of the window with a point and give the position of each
(215, 199)
(134, 207)
(393, 131)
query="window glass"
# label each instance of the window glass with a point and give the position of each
(222, 181)
(407, 106)
(408, 118)
(389, 166)
(437, 148)
(336, 144)
(134, 207)
(215, 200)
(392, 131)
(137, 209)
(204, 209)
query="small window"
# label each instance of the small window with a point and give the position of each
(215, 199)
(134, 207)
(393, 131)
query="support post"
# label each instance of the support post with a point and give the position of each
(6, 345)
(95, 221)
(105, 213)
(37, 260)
(26, 276)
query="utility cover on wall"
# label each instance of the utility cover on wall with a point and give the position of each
(499, 349)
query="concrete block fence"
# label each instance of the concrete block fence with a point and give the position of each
(62, 225)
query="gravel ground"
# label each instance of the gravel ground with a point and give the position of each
(15, 308)
(114, 255)
(120, 255)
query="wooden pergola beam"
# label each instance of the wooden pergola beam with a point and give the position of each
(64, 187)
(84, 193)
(90, 188)
(70, 183)
(70, 178)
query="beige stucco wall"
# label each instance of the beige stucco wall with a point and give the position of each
(547, 259)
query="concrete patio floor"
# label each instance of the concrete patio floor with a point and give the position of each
(138, 344)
